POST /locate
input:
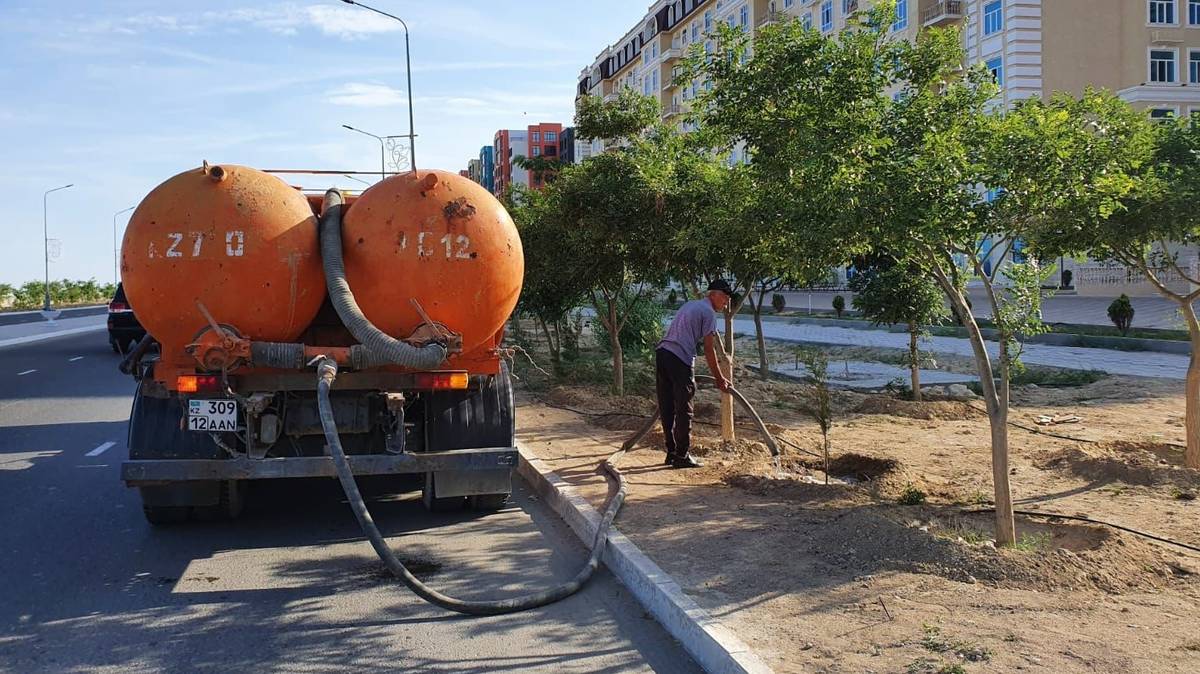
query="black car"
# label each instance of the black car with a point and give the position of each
(124, 330)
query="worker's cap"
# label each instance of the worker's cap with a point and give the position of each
(722, 285)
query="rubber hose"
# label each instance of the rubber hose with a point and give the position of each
(383, 348)
(737, 395)
(326, 374)
(277, 354)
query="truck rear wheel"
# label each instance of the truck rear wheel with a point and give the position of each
(165, 515)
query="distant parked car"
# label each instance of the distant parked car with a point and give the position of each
(124, 330)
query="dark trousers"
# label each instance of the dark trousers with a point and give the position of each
(675, 386)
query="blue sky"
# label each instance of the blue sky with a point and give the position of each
(117, 96)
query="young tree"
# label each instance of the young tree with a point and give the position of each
(1147, 228)
(890, 293)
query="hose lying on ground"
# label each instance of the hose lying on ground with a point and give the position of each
(326, 373)
(1081, 518)
(771, 444)
(382, 349)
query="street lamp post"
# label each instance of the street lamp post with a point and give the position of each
(382, 165)
(412, 151)
(116, 248)
(46, 243)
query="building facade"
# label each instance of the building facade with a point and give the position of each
(535, 141)
(1146, 51)
(487, 168)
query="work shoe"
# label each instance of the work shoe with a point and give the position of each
(686, 461)
(669, 460)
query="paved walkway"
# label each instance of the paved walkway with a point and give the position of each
(1136, 363)
(1149, 312)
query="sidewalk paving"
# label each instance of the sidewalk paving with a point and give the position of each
(25, 333)
(1134, 363)
(1150, 312)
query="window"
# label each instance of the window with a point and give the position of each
(1194, 12)
(806, 21)
(695, 32)
(788, 3)
(901, 15)
(996, 66)
(745, 17)
(848, 6)
(1194, 66)
(537, 150)
(708, 22)
(1162, 11)
(993, 17)
(1162, 65)
(1162, 113)
(826, 16)
(536, 136)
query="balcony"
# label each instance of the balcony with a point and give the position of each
(942, 12)
(675, 51)
(772, 16)
(672, 111)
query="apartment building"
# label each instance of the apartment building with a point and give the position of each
(487, 168)
(1147, 51)
(508, 144)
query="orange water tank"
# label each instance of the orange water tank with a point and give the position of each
(240, 241)
(442, 239)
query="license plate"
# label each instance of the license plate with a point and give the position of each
(212, 415)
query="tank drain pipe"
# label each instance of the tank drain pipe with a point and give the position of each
(383, 348)
(327, 371)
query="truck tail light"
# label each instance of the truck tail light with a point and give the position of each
(116, 306)
(443, 380)
(196, 383)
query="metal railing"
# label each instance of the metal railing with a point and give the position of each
(942, 10)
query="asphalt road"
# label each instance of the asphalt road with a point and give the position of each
(87, 585)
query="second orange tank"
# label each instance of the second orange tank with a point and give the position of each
(439, 238)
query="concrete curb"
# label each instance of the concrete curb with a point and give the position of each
(30, 339)
(712, 645)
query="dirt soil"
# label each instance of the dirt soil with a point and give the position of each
(842, 578)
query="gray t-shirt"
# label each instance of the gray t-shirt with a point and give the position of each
(692, 323)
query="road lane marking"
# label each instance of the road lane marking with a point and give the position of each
(72, 360)
(101, 449)
(22, 374)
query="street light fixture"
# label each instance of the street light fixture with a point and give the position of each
(412, 152)
(46, 244)
(116, 248)
(381, 139)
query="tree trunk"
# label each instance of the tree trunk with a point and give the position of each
(614, 340)
(726, 365)
(825, 439)
(997, 409)
(554, 362)
(1191, 456)
(764, 367)
(914, 364)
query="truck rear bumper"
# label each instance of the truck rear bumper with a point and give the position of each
(147, 472)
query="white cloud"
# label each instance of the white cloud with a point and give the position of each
(366, 95)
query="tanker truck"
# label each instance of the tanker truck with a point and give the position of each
(245, 284)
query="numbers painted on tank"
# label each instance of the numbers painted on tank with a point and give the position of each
(235, 244)
(454, 247)
(232, 250)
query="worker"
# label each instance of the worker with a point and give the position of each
(674, 363)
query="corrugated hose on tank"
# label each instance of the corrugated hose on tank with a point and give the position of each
(382, 349)
(326, 373)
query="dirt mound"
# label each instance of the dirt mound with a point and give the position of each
(586, 401)
(941, 410)
(1049, 555)
(1136, 463)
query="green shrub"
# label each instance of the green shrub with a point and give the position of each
(642, 330)
(839, 304)
(1120, 312)
(911, 496)
(778, 302)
